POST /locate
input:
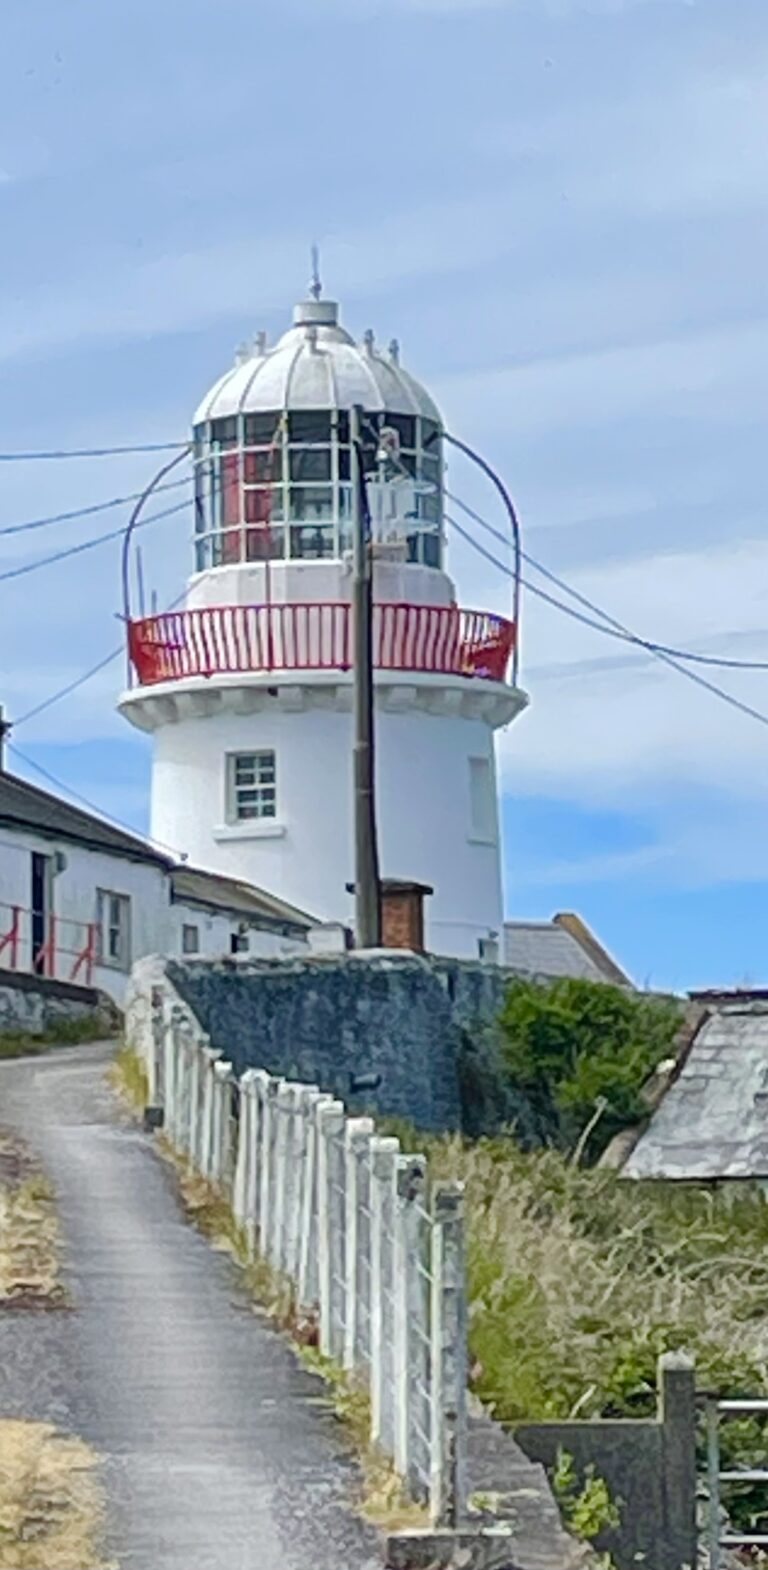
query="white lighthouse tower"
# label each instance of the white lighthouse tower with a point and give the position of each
(248, 689)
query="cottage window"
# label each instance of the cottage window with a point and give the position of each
(252, 786)
(190, 939)
(113, 929)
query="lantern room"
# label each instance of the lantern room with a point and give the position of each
(272, 451)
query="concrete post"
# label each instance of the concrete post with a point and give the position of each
(411, 1171)
(247, 1156)
(357, 1138)
(208, 1118)
(308, 1289)
(154, 1052)
(266, 1176)
(448, 1421)
(677, 1414)
(384, 1158)
(329, 1118)
(222, 1133)
(282, 1105)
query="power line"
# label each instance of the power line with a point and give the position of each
(115, 822)
(87, 512)
(645, 643)
(91, 452)
(85, 676)
(615, 631)
(87, 545)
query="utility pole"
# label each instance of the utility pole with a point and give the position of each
(5, 728)
(367, 880)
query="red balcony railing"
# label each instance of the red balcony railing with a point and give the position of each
(239, 638)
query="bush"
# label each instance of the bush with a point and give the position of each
(583, 1050)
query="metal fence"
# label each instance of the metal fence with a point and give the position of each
(718, 1538)
(373, 1253)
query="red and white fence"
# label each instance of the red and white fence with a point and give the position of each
(52, 946)
(237, 638)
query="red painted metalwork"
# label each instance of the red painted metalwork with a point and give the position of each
(63, 942)
(44, 961)
(10, 939)
(238, 638)
(86, 957)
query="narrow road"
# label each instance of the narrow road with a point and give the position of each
(218, 1452)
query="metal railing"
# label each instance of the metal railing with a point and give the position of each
(54, 946)
(374, 1257)
(240, 638)
(716, 1538)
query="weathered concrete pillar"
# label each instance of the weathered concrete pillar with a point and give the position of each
(677, 1415)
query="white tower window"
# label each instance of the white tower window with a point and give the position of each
(251, 786)
(482, 801)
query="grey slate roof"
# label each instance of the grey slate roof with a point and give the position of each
(25, 806)
(551, 949)
(713, 1120)
(192, 885)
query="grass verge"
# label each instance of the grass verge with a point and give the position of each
(51, 1505)
(29, 1242)
(128, 1078)
(65, 1033)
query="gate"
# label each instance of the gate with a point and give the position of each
(716, 1539)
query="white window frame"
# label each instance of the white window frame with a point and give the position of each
(113, 915)
(264, 791)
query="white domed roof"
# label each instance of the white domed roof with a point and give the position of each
(316, 365)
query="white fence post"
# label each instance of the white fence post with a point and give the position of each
(308, 1281)
(410, 1188)
(384, 1157)
(266, 1173)
(299, 1152)
(357, 1139)
(154, 1057)
(448, 1426)
(244, 1193)
(208, 1119)
(329, 1117)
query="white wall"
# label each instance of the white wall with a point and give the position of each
(215, 931)
(155, 923)
(73, 902)
(306, 855)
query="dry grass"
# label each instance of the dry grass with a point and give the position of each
(128, 1078)
(29, 1244)
(579, 1280)
(51, 1508)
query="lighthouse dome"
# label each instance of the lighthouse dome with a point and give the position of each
(317, 365)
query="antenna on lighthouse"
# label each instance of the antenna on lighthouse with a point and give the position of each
(315, 286)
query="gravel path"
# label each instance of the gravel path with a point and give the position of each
(218, 1454)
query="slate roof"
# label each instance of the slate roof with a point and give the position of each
(25, 806)
(563, 946)
(192, 885)
(713, 1120)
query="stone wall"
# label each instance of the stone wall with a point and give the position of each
(418, 1023)
(33, 1005)
(648, 1465)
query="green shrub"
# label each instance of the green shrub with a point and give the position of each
(582, 1050)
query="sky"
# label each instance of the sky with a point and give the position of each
(560, 208)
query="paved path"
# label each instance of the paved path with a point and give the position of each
(218, 1453)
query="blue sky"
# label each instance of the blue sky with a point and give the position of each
(560, 207)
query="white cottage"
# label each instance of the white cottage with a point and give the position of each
(81, 900)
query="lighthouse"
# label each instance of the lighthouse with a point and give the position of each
(248, 688)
